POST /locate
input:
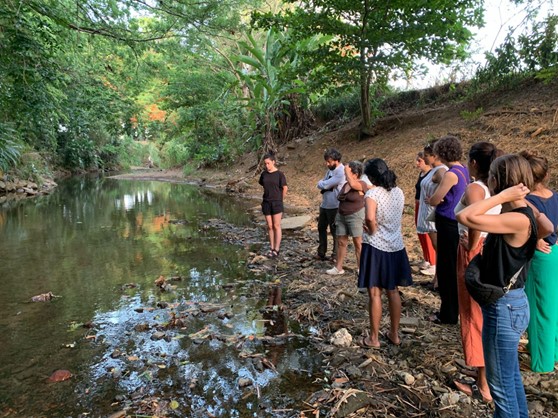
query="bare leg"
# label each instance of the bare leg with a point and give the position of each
(270, 231)
(375, 314)
(342, 241)
(357, 241)
(434, 238)
(482, 383)
(277, 233)
(394, 301)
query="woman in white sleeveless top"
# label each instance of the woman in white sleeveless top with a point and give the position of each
(471, 241)
(427, 187)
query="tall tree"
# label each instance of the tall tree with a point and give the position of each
(374, 38)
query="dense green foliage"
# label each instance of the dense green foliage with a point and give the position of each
(534, 54)
(372, 38)
(98, 84)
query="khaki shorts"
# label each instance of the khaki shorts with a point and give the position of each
(349, 225)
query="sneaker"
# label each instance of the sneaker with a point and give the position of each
(334, 272)
(430, 271)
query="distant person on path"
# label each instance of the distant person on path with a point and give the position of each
(471, 240)
(542, 282)
(384, 264)
(329, 187)
(428, 253)
(445, 198)
(275, 188)
(350, 215)
(507, 252)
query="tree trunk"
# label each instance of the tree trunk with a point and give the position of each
(366, 129)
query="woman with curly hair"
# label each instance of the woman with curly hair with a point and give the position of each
(445, 198)
(384, 264)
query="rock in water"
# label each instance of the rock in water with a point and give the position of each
(44, 297)
(60, 376)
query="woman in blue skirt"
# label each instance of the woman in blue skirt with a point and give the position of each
(384, 264)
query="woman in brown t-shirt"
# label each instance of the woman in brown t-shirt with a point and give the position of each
(350, 215)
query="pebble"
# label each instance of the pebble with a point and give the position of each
(408, 378)
(159, 335)
(536, 407)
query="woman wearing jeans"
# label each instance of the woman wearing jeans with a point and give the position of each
(508, 249)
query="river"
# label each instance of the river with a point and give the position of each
(194, 346)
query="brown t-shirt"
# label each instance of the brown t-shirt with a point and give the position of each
(351, 200)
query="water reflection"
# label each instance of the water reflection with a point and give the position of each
(99, 244)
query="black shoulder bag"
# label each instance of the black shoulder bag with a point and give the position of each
(484, 293)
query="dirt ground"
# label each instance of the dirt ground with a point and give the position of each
(376, 382)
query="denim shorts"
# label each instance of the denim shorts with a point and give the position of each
(349, 225)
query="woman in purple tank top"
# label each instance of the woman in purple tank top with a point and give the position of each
(445, 198)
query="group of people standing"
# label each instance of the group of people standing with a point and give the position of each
(498, 206)
(509, 216)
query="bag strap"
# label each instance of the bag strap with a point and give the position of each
(513, 280)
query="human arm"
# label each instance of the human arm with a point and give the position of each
(337, 178)
(448, 181)
(354, 181)
(473, 193)
(285, 188)
(474, 216)
(370, 207)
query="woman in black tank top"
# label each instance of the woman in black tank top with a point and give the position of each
(508, 247)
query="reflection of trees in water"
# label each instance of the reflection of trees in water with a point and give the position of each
(275, 324)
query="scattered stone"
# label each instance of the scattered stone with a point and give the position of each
(295, 222)
(244, 382)
(409, 321)
(353, 372)
(44, 297)
(408, 378)
(341, 338)
(141, 327)
(159, 335)
(449, 399)
(115, 354)
(59, 376)
(439, 389)
(535, 407)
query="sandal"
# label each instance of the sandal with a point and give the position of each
(275, 253)
(364, 344)
(471, 389)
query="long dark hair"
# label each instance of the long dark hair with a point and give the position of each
(379, 174)
(483, 153)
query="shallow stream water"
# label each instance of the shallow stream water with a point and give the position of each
(98, 245)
